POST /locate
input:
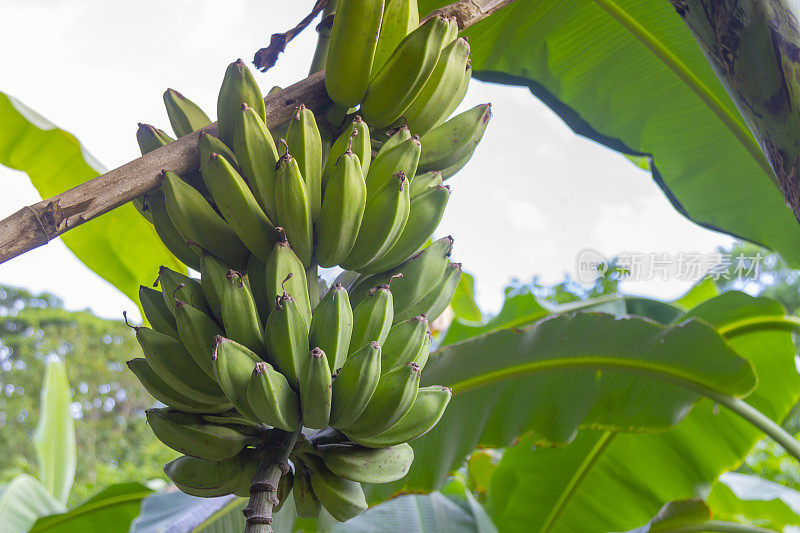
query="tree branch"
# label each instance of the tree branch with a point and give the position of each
(35, 225)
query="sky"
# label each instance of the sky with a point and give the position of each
(533, 197)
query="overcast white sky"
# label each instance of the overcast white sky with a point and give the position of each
(533, 196)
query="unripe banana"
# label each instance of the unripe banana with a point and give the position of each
(197, 221)
(315, 390)
(449, 172)
(392, 88)
(354, 37)
(294, 207)
(402, 157)
(395, 136)
(240, 315)
(257, 279)
(436, 301)
(444, 86)
(426, 411)
(427, 210)
(157, 312)
(385, 217)
(459, 95)
(176, 285)
(355, 384)
(359, 143)
(239, 206)
(209, 479)
(207, 144)
(342, 211)
(400, 17)
(424, 353)
(404, 343)
(451, 33)
(422, 182)
(272, 399)
(305, 143)
(238, 87)
(177, 368)
(342, 498)
(197, 332)
(235, 419)
(191, 435)
(212, 281)
(283, 262)
(394, 396)
(233, 366)
(367, 465)
(165, 394)
(287, 338)
(166, 230)
(450, 142)
(332, 326)
(149, 138)
(305, 501)
(372, 318)
(184, 115)
(256, 150)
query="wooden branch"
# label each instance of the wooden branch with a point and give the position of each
(35, 225)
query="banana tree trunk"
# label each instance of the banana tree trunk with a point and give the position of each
(754, 48)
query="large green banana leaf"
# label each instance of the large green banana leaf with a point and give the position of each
(567, 372)
(610, 481)
(629, 74)
(120, 246)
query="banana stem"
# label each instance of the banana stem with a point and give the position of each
(273, 464)
(312, 278)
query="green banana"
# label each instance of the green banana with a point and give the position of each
(427, 210)
(448, 143)
(305, 143)
(404, 343)
(355, 384)
(355, 138)
(367, 465)
(167, 232)
(157, 311)
(294, 207)
(168, 357)
(234, 418)
(458, 97)
(287, 338)
(372, 318)
(420, 274)
(256, 150)
(239, 206)
(424, 353)
(384, 218)
(233, 366)
(212, 280)
(426, 411)
(451, 33)
(305, 502)
(149, 138)
(394, 396)
(272, 399)
(315, 390)
(197, 221)
(165, 394)
(208, 144)
(400, 17)
(209, 479)
(184, 115)
(283, 262)
(238, 87)
(257, 279)
(239, 313)
(392, 88)
(176, 285)
(332, 326)
(342, 211)
(402, 157)
(453, 169)
(197, 332)
(342, 498)
(191, 435)
(436, 301)
(444, 85)
(394, 137)
(422, 182)
(354, 37)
